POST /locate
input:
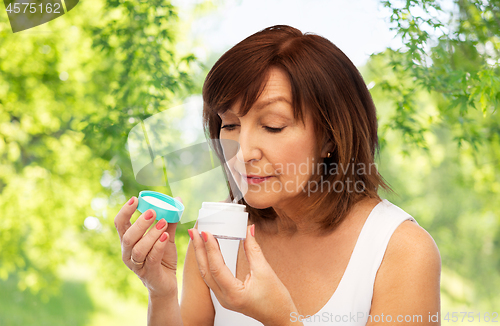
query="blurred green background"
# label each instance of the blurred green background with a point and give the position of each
(71, 91)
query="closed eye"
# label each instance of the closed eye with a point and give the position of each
(269, 129)
(274, 130)
(229, 127)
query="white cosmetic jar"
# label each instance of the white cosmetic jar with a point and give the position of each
(223, 220)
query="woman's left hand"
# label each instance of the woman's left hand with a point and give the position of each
(262, 296)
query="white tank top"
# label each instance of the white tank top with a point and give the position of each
(351, 302)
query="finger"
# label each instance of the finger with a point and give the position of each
(253, 252)
(155, 256)
(172, 227)
(135, 233)
(201, 258)
(142, 248)
(218, 269)
(122, 219)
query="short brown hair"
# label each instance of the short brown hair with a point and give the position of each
(325, 82)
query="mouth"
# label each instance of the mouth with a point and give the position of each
(254, 179)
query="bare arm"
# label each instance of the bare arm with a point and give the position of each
(196, 303)
(196, 308)
(164, 311)
(407, 285)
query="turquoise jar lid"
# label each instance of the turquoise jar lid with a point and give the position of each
(166, 207)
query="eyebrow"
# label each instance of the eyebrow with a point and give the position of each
(263, 104)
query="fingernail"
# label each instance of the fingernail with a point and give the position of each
(191, 234)
(131, 201)
(149, 215)
(204, 236)
(163, 236)
(160, 224)
(252, 230)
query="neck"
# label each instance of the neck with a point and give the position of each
(293, 220)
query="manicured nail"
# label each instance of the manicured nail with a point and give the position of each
(149, 215)
(163, 236)
(204, 236)
(160, 224)
(191, 234)
(131, 201)
(252, 230)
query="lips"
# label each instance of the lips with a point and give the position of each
(253, 179)
(253, 176)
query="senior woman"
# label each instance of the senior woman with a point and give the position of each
(322, 247)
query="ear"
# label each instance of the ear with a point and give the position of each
(328, 146)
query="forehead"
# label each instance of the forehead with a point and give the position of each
(277, 84)
(277, 89)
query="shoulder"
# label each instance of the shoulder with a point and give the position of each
(410, 243)
(408, 279)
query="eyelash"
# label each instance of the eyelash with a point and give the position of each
(271, 130)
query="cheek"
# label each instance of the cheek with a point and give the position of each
(238, 186)
(229, 148)
(230, 163)
(295, 158)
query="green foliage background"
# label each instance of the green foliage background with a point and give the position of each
(71, 90)
(437, 99)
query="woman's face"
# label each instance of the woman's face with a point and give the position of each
(276, 152)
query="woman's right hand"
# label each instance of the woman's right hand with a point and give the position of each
(152, 256)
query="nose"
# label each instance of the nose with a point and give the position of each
(248, 147)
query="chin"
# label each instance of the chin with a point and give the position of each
(258, 201)
(260, 196)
